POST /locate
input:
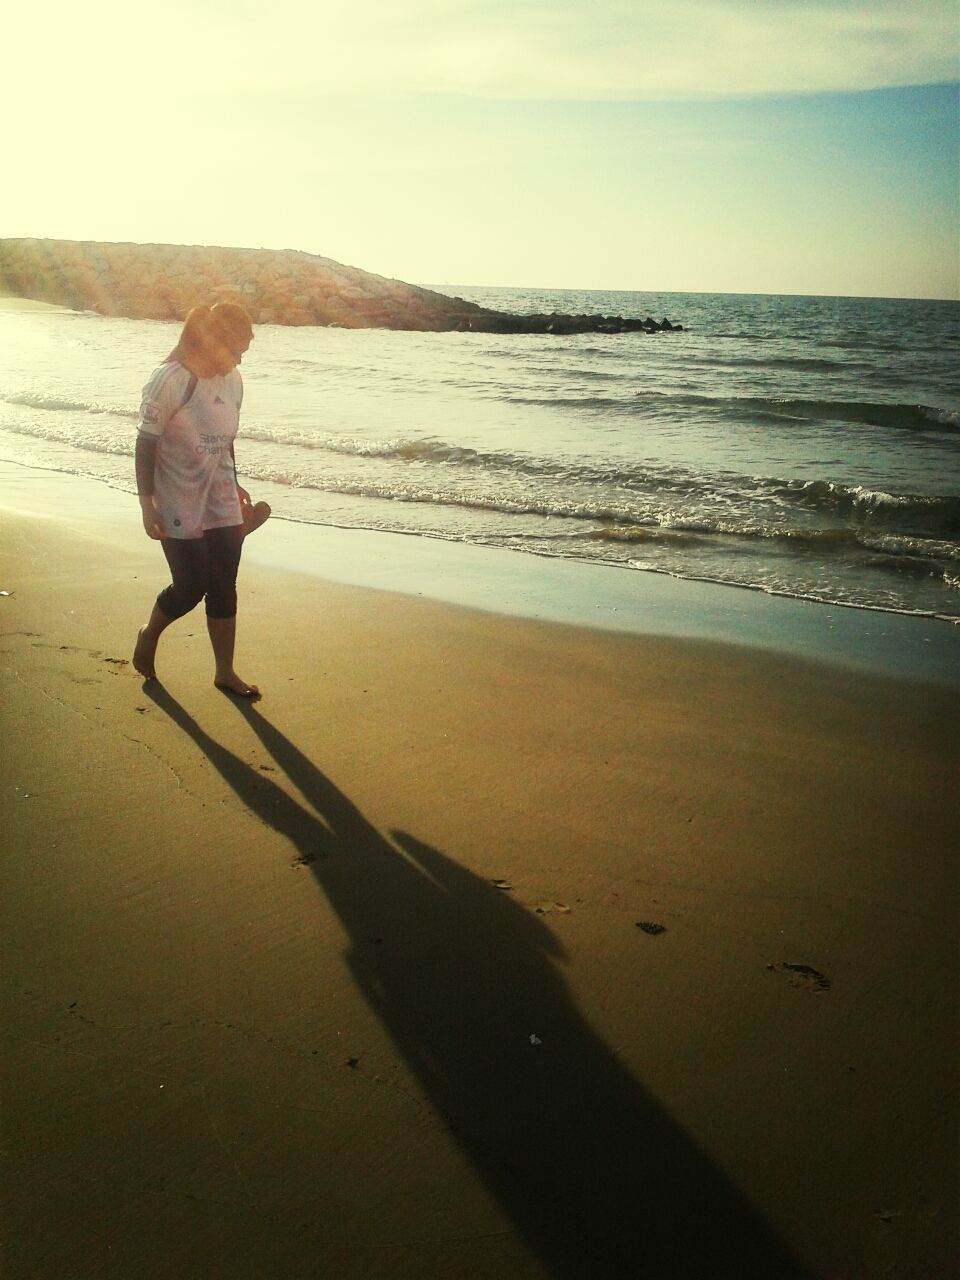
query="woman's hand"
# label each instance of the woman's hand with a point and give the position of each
(145, 461)
(151, 518)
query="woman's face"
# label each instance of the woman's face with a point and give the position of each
(228, 349)
(231, 342)
(239, 347)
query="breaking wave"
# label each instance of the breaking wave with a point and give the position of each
(60, 404)
(900, 417)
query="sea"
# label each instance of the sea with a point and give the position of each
(799, 446)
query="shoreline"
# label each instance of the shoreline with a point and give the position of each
(12, 302)
(481, 946)
(598, 596)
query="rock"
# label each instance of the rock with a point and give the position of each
(288, 286)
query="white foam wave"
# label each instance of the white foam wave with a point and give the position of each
(927, 548)
(942, 417)
(87, 438)
(61, 404)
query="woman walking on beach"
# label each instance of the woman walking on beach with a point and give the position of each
(187, 483)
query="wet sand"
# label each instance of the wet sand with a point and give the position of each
(479, 947)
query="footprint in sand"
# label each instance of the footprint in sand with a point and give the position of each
(803, 976)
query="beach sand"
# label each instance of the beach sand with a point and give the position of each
(9, 302)
(479, 947)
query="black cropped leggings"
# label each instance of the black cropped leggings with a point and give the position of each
(202, 569)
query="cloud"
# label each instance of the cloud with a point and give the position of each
(604, 50)
(559, 50)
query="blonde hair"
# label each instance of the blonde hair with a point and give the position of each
(213, 339)
(233, 323)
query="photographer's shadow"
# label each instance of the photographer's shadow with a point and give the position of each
(594, 1175)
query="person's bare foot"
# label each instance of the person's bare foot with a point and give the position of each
(232, 683)
(144, 654)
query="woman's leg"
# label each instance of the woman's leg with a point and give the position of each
(187, 558)
(148, 637)
(223, 555)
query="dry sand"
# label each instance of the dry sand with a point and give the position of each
(477, 948)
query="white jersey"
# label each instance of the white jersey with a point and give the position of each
(195, 485)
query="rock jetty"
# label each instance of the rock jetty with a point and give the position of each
(163, 281)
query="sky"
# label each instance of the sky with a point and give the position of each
(768, 146)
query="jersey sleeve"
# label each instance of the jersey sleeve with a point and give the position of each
(162, 397)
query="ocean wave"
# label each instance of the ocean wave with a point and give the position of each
(914, 566)
(896, 416)
(925, 515)
(916, 555)
(687, 531)
(413, 450)
(929, 515)
(87, 438)
(904, 417)
(393, 491)
(628, 517)
(885, 597)
(430, 451)
(60, 404)
(613, 492)
(651, 532)
(745, 335)
(634, 494)
(802, 364)
(403, 449)
(892, 545)
(408, 448)
(589, 404)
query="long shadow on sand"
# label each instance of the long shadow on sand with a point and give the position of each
(594, 1175)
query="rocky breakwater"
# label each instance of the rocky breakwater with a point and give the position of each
(163, 281)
